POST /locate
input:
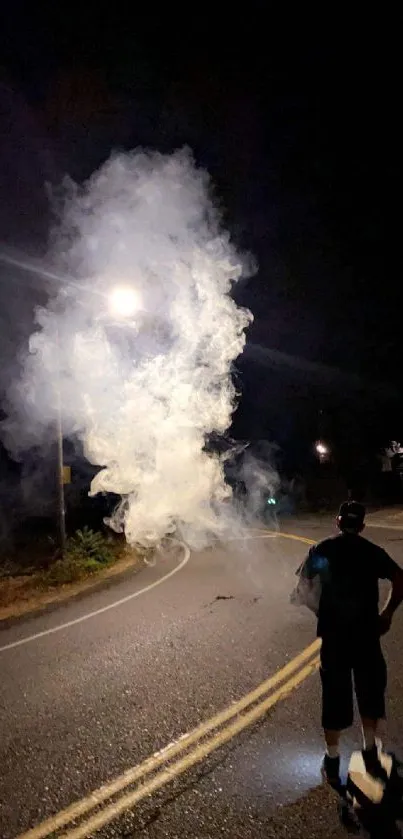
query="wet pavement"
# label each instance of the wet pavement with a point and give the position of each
(85, 703)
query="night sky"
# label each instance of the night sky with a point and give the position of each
(297, 127)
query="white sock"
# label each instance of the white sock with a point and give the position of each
(332, 751)
(381, 733)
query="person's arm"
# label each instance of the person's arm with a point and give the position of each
(391, 571)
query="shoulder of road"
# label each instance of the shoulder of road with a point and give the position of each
(26, 602)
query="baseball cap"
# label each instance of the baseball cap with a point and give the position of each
(352, 514)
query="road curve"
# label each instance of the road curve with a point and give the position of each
(82, 704)
(113, 604)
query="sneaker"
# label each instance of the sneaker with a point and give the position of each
(331, 770)
(373, 765)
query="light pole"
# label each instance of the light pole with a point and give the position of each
(60, 474)
(122, 302)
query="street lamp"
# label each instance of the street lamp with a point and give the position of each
(322, 450)
(122, 302)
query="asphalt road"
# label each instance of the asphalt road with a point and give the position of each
(81, 704)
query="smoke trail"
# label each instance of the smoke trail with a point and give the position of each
(141, 388)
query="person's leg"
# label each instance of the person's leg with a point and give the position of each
(369, 732)
(337, 705)
(332, 740)
(370, 678)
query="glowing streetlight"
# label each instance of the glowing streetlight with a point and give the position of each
(322, 450)
(124, 301)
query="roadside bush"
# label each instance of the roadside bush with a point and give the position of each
(86, 553)
(89, 545)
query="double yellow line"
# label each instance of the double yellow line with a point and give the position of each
(124, 792)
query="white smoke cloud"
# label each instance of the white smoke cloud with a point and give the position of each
(142, 391)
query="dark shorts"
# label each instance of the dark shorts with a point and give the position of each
(345, 664)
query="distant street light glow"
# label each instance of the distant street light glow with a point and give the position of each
(124, 301)
(322, 451)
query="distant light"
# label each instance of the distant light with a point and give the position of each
(124, 301)
(271, 501)
(323, 451)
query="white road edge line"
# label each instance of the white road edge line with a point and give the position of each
(96, 612)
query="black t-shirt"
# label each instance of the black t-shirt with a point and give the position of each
(349, 568)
